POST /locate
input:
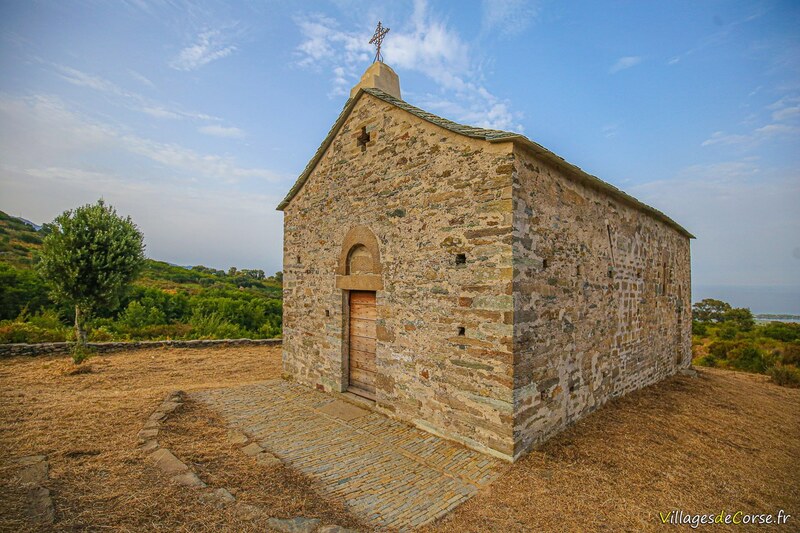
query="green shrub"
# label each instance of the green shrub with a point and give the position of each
(791, 354)
(163, 331)
(80, 353)
(100, 334)
(706, 360)
(785, 375)
(137, 315)
(214, 326)
(721, 349)
(782, 331)
(31, 238)
(13, 332)
(748, 358)
(699, 328)
(47, 319)
(727, 331)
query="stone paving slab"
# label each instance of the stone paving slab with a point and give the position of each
(390, 474)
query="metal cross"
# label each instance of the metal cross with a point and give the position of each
(377, 39)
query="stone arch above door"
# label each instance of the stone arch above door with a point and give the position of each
(359, 265)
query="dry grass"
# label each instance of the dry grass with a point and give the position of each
(87, 424)
(721, 441)
(725, 440)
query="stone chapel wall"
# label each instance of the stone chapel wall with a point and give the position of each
(428, 195)
(601, 299)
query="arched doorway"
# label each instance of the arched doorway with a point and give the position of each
(359, 276)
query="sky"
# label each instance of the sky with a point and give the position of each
(195, 118)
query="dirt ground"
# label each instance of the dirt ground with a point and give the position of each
(722, 441)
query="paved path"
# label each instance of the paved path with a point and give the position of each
(390, 474)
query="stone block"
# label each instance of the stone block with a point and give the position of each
(167, 462)
(188, 479)
(252, 449)
(294, 525)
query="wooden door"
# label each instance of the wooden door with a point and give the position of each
(362, 343)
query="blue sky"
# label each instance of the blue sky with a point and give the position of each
(195, 118)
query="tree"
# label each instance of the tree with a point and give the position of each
(88, 260)
(710, 310)
(741, 317)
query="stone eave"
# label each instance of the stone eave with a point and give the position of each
(581, 176)
(494, 136)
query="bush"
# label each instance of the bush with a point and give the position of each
(706, 360)
(748, 358)
(214, 326)
(785, 375)
(791, 354)
(137, 315)
(20, 289)
(47, 319)
(721, 349)
(13, 332)
(163, 331)
(699, 328)
(100, 334)
(728, 331)
(781, 331)
(80, 353)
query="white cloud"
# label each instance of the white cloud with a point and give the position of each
(181, 223)
(718, 37)
(720, 137)
(42, 132)
(209, 46)
(222, 131)
(131, 99)
(624, 63)
(610, 130)
(508, 17)
(786, 113)
(141, 78)
(193, 207)
(771, 130)
(758, 135)
(426, 45)
(159, 112)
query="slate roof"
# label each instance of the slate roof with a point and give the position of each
(490, 135)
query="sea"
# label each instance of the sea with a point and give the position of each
(775, 300)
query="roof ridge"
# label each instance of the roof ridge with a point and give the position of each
(486, 134)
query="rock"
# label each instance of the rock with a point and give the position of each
(335, 529)
(158, 415)
(293, 525)
(34, 469)
(40, 506)
(691, 372)
(168, 463)
(147, 434)
(152, 424)
(149, 446)
(219, 498)
(236, 437)
(267, 459)
(175, 396)
(169, 406)
(188, 479)
(252, 449)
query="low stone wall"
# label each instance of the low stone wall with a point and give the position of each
(62, 348)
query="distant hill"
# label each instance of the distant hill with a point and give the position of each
(19, 239)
